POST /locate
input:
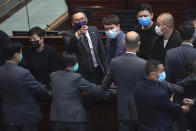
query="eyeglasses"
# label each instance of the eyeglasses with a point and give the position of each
(78, 20)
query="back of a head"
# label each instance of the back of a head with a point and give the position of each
(151, 66)
(37, 30)
(11, 49)
(143, 7)
(132, 40)
(110, 20)
(191, 68)
(167, 19)
(186, 30)
(68, 59)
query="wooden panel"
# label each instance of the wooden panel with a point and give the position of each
(101, 8)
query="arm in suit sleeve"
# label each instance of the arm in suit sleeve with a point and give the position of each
(168, 68)
(35, 86)
(70, 41)
(91, 88)
(101, 52)
(107, 80)
(168, 106)
(194, 100)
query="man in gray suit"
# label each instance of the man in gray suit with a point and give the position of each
(20, 110)
(67, 110)
(125, 72)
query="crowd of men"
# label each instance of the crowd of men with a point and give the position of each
(153, 67)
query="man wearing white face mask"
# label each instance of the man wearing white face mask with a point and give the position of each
(168, 37)
(115, 43)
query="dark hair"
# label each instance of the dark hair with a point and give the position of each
(110, 20)
(152, 66)
(133, 42)
(68, 59)
(77, 10)
(191, 67)
(38, 31)
(143, 7)
(186, 30)
(11, 49)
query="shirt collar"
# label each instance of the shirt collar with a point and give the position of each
(188, 44)
(131, 53)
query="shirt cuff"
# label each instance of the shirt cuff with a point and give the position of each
(77, 36)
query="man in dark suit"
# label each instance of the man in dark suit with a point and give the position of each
(88, 48)
(155, 109)
(67, 111)
(20, 110)
(125, 72)
(167, 39)
(178, 58)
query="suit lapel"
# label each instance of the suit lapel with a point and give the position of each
(92, 36)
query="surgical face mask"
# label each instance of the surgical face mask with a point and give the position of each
(158, 31)
(79, 25)
(20, 59)
(76, 67)
(35, 44)
(144, 21)
(112, 33)
(162, 76)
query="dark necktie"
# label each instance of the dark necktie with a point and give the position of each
(90, 59)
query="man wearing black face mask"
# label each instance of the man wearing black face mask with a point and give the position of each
(87, 46)
(40, 58)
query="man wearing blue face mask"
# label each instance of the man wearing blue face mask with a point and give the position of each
(67, 110)
(155, 108)
(115, 45)
(146, 30)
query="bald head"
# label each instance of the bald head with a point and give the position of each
(132, 40)
(166, 18)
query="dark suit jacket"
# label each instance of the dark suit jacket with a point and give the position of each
(177, 60)
(17, 85)
(126, 71)
(67, 105)
(155, 110)
(158, 51)
(82, 52)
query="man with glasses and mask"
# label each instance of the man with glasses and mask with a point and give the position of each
(146, 30)
(155, 108)
(40, 58)
(115, 43)
(168, 37)
(87, 46)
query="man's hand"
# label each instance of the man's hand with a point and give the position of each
(188, 102)
(185, 108)
(82, 30)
